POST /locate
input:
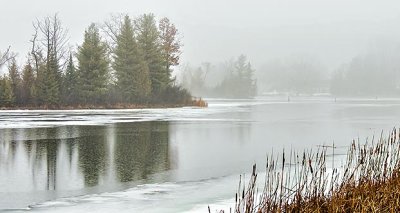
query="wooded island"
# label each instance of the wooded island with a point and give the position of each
(122, 63)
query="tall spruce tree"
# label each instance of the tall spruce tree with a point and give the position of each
(40, 84)
(28, 85)
(93, 67)
(239, 82)
(148, 38)
(132, 72)
(7, 97)
(49, 44)
(53, 81)
(15, 80)
(70, 82)
(47, 85)
(248, 86)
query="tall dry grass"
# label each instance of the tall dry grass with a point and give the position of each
(367, 181)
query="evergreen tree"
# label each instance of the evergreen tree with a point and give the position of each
(93, 67)
(49, 44)
(239, 83)
(53, 81)
(132, 72)
(7, 97)
(47, 86)
(15, 80)
(28, 85)
(148, 38)
(40, 85)
(70, 82)
(246, 85)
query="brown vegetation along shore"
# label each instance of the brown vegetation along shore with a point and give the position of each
(199, 102)
(193, 103)
(368, 181)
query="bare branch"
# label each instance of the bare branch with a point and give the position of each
(51, 38)
(7, 56)
(36, 52)
(111, 29)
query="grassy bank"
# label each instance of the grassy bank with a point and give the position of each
(194, 103)
(367, 181)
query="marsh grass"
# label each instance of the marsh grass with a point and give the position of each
(368, 180)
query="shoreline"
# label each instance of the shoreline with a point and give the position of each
(100, 107)
(195, 103)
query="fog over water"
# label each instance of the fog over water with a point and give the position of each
(331, 31)
(272, 75)
(166, 160)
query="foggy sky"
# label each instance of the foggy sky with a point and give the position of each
(331, 31)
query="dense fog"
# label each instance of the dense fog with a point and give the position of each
(310, 46)
(199, 106)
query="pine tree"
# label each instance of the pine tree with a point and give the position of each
(7, 97)
(53, 81)
(239, 83)
(70, 82)
(249, 82)
(40, 84)
(148, 38)
(49, 45)
(47, 84)
(245, 85)
(132, 72)
(93, 67)
(28, 85)
(15, 80)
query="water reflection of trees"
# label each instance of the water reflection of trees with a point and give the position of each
(92, 157)
(74, 157)
(140, 152)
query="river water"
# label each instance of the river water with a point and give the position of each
(166, 160)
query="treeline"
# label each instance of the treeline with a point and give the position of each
(121, 62)
(373, 74)
(294, 75)
(233, 79)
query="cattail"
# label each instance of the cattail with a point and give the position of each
(309, 163)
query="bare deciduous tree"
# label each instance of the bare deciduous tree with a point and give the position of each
(6, 56)
(111, 29)
(50, 37)
(36, 51)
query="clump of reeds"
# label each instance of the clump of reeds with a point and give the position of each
(199, 102)
(368, 181)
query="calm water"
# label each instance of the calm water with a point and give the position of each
(165, 160)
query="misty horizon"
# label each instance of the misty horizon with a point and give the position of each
(331, 33)
(200, 106)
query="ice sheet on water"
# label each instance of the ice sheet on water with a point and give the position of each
(158, 197)
(42, 118)
(45, 118)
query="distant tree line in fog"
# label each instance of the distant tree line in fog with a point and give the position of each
(123, 61)
(237, 79)
(375, 74)
(293, 76)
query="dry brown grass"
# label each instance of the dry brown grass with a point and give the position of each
(194, 102)
(199, 102)
(368, 181)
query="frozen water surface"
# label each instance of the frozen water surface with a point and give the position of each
(165, 160)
